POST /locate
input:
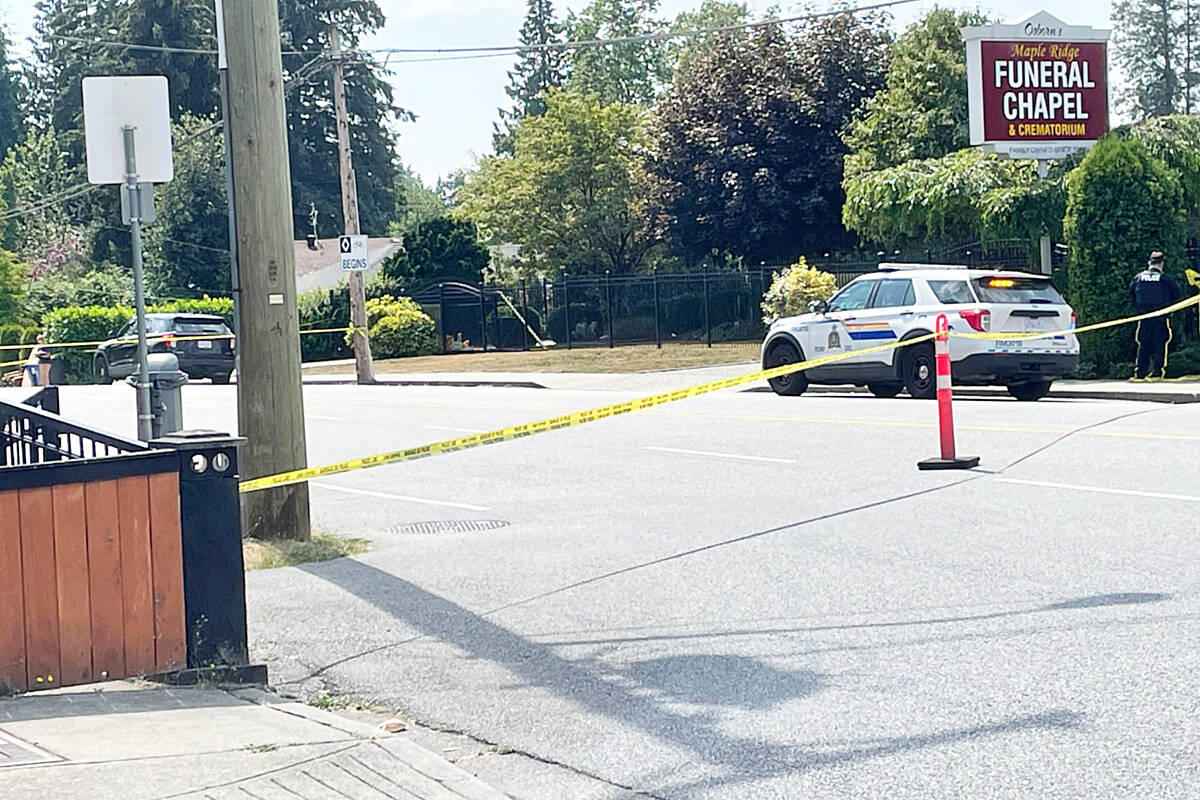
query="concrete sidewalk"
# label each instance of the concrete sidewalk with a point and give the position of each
(134, 741)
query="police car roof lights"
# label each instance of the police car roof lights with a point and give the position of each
(894, 267)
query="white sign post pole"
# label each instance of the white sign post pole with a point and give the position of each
(145, 416)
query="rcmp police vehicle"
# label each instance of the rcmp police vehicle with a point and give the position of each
(903, 301)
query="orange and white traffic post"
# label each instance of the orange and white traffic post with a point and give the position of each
(949, 459)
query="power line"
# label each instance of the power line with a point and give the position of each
(131, 45)
(150, 48)
(642, 38)
(79, 190)
(511, 49)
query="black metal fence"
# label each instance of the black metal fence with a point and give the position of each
(703, 308)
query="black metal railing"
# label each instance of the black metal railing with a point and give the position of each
(711, 307)
(32, 433)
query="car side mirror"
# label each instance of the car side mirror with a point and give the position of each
(818, 306)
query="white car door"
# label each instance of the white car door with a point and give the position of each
(883, 321)
(828, 334)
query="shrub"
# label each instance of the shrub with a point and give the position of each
(321, 309)
(793, 288)
(1122, 203)
(106, 285)
(1184, 362)
(410, 332)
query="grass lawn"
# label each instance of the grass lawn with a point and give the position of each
(633, 358)
(260, 554)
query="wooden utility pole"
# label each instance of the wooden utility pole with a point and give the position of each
(271, 406)
(364, 368)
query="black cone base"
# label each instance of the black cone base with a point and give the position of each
(962, 462)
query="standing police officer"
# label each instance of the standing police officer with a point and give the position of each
(1153, 290)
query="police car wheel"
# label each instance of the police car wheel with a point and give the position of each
(1030, 390)
(919, 370)
(793, 383)
(885, 389)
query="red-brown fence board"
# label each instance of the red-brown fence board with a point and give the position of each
(166, 540)
(41, 587)
(105, 579)
(12, 595)
(133, 498)
(74, 594)
(91, 581)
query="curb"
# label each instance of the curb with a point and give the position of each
(350, 380)
(1133, 395)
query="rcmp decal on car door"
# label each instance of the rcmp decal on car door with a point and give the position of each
(863, 331)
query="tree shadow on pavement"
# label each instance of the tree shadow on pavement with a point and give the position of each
(722, 757)
(723, 680)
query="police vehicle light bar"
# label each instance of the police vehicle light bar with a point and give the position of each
(891, 267)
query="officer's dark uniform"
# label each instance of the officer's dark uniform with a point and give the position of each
(1153, 290)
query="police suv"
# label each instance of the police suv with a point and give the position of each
(903, 301)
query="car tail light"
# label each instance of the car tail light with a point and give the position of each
(1074, 320)
(978, 318)
(169, 342)
(232, 343)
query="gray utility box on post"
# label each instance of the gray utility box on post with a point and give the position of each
(166, 399)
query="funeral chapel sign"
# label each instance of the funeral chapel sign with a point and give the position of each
(1038, 88)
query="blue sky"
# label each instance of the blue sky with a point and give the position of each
(457, 101)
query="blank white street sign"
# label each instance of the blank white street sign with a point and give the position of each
(111, 104)
(353, 250)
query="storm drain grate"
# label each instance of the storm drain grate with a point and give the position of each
(452, 526)
(16, 753)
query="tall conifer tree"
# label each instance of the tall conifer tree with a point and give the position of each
(537, 69)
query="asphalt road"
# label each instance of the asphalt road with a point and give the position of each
(745, 596)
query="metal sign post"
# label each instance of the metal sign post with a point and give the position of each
(133, 195)
(114, 109)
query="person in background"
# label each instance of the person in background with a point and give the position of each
(33, 365)
(1153, 290)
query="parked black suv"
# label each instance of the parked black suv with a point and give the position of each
(180, 334)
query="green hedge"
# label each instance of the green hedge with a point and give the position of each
(1122, 203)
(217, 306)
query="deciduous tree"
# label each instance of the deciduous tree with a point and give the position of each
(629, 72)
(572, 191)
(746, 155)
(923, 111)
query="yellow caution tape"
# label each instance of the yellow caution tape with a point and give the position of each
(157, 338)
(556, 423)
(616, 409)
(11, 363)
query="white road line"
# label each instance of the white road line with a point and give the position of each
(401, 497)
(325, 419)
(454, 430)
(722, 455)
(1104, 490)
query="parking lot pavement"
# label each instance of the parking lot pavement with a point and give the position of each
(749, 596)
